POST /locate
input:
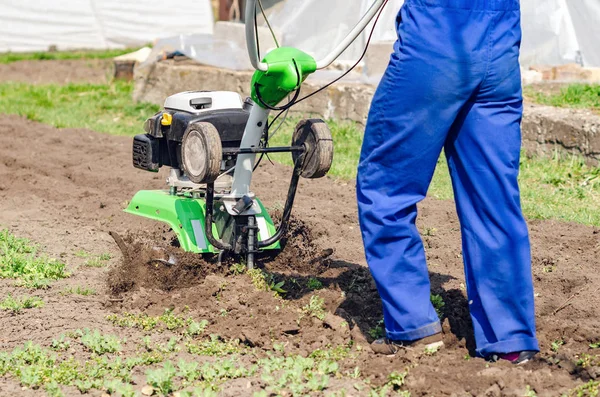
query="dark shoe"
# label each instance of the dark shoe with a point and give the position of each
(516, 358)
(388, 347)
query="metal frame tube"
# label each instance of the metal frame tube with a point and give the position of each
(242, 176)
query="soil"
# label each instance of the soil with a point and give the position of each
(65, 189)
(93, 71)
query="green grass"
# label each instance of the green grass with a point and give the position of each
(100, 107)
(573, 95)
(10, 57)
(167, 321)
(561, 187)
(79, 290)
(19, 260)
(15, 305)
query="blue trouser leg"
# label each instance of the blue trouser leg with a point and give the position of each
(444, 63)
(483, 151)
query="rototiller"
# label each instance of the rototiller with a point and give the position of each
(205, 136)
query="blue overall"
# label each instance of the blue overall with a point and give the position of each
(453, 83)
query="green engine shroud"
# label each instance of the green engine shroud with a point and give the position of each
(186, 216)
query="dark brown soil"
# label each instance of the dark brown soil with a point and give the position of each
(65, 189)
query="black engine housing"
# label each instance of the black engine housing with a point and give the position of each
(161, 145)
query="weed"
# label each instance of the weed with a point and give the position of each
(590, 389)
(214, 347)
(315, 308)
(438, 303)
(431, 350)
(168, 320)
(60, 344)
(100, 344)
(196, 328)
(162, 379)
(378, 330)
(314, 284)
(556, 345)
(78, 291)
(429, 231)
(81, 254)
(18, 304)
(19, 260)
(237, 268)
(595, 345)
(98, 261)
(263, 281)
(587, 360)
(529, 392)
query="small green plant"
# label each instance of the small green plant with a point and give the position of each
(595, 345)
(431, 350)
(15, 305)
(100, 344)
(438, 303)
(196, 328)
(78, 291)
(314, 284)
(315, 308)
(556, 345)
(529, 392)
(60, 344)
(378, 331)
(162, 379)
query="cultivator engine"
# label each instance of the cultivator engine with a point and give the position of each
(210, 141)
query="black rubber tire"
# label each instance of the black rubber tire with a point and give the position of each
(315, 135)
(201, 152)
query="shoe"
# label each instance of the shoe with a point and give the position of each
(516, 358)
(389, 347)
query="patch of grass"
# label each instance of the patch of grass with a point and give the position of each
(215, 346)
(79, 290)
(562, 187)
(15, 305)
(167, 321)
(100, 344)
(19, 260)
(573, 95)
(10, 57)
(99, 107)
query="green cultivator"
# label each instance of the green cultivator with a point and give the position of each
(211, 141)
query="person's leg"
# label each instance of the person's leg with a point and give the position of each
(424, 87)
(483, 151)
